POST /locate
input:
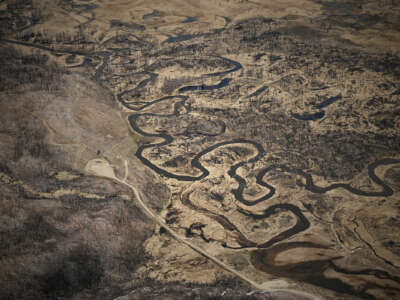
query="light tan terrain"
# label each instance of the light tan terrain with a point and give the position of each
(202, 149)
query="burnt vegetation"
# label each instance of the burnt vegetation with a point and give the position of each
(27, 71)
